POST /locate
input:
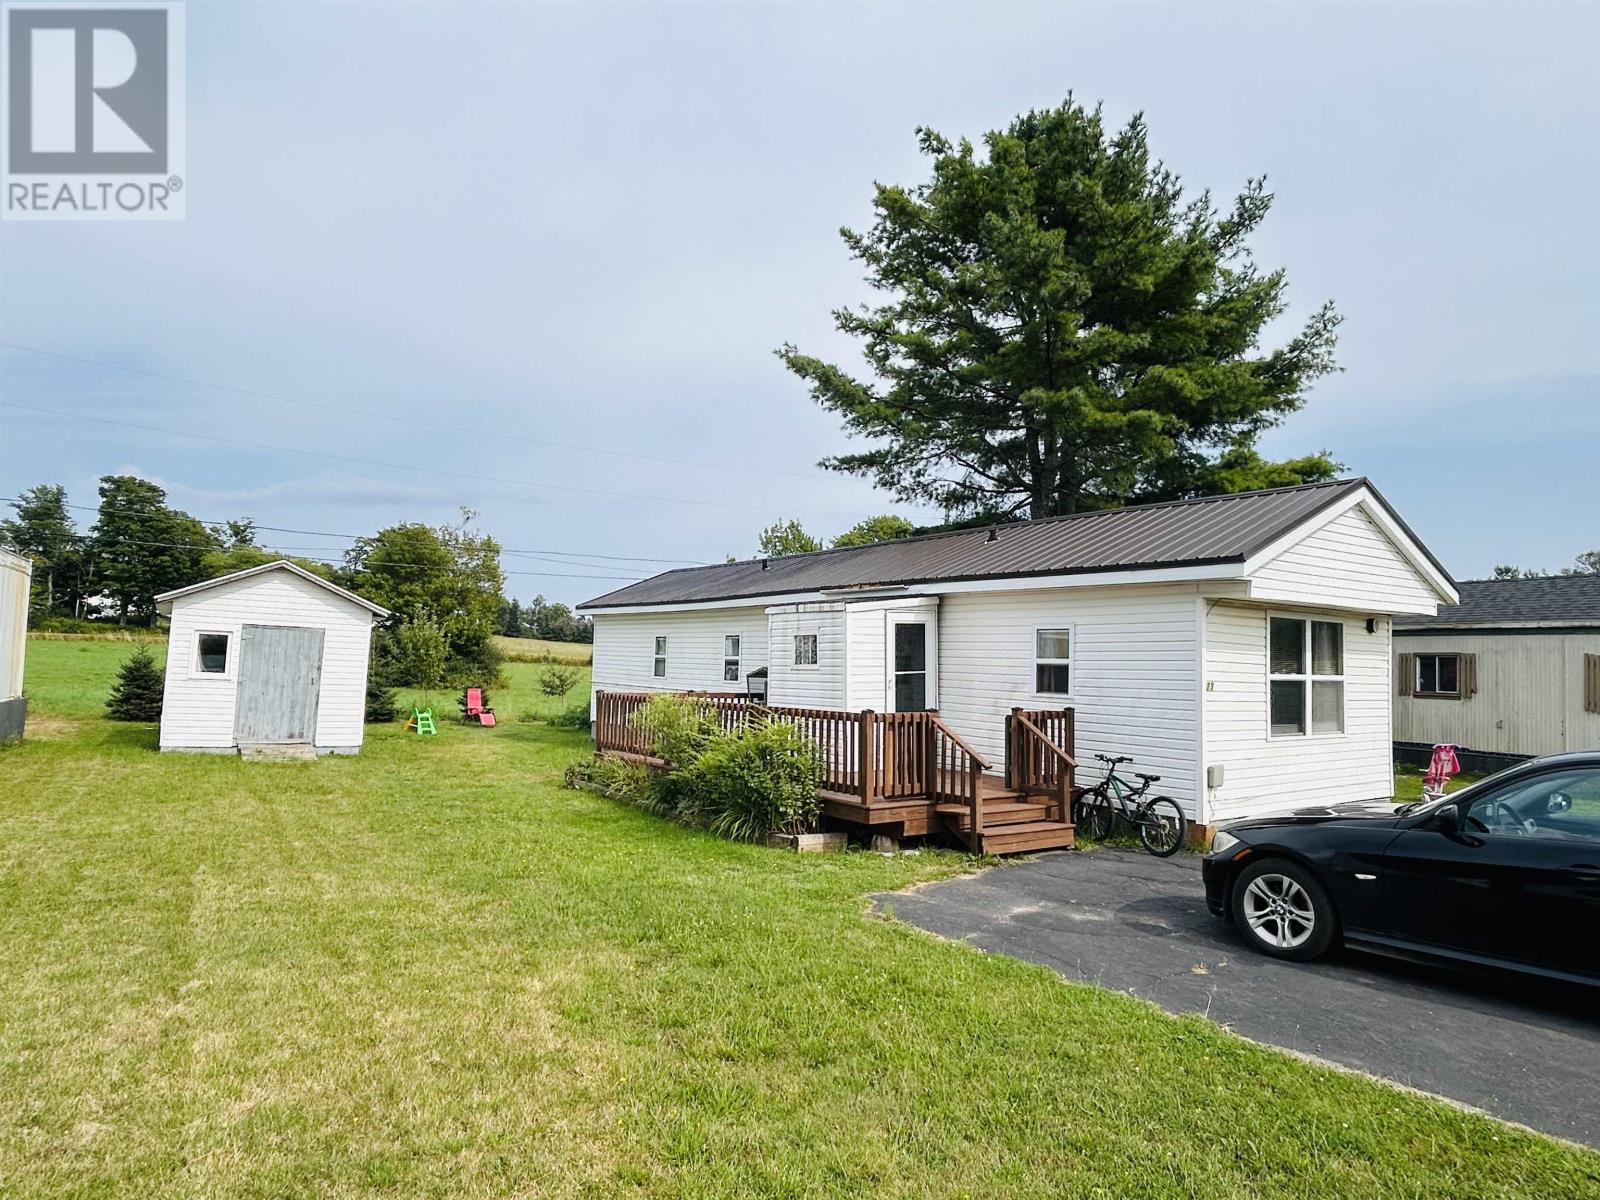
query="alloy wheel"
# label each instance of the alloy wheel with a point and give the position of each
(1279, 911)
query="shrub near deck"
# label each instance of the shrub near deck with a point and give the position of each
(432, 971)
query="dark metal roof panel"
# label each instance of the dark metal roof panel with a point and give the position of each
(1213, 529)
(1553, 599)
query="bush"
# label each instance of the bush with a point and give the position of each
(557, 681)
(136, 696)
(617, 779)
(758, 781)
(381, 704)
(420, 654)
(575, 717)
(679, 729)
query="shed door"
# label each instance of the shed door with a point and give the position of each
(280, 670)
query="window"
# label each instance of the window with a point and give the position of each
(730, 657)
(1438, 675)
(659, 667)
(910, 666)
(1305, 668)
(1052, 661)
(1562, 805)
(805, 649)
(211, 654)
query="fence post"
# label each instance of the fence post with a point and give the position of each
(867, 755)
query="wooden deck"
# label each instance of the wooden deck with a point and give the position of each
(920, 777)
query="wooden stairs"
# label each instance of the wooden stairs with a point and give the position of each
(1013, 823)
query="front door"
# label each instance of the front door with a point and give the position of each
(912, 666)
(280, 672)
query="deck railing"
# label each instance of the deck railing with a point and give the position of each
(1039, 758)
(866, 755)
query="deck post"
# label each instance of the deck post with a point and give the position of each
(866, 755)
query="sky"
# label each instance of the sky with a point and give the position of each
(541, 256)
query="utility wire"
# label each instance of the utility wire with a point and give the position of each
(373, 462)
(498, 435)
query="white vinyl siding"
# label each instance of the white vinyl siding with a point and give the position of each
(1134, 663)
(1266, 774)
(1349, 563)
(1529, 698)
(818, 685)
(198, 710)
(625, 644)
(15, 575)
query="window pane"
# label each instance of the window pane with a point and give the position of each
(1288, 707)
(660, 669)
(805, 650)
(1427, 674)
(661, 645)
(911, 647)
(1327, 707)
(911, 692)
(1054, 643)
(1288, 646)
(730, 646)
(730, 670)
(1054, 678)
(1449, 674)
(1327, 648)
(213, 653)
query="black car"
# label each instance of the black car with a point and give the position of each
(1504, 873)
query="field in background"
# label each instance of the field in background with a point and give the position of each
(537, 650)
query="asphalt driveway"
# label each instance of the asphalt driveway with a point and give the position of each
(1525, 1051)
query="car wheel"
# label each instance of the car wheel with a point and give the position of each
(1283, 911)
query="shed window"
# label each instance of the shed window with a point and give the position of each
(1052, 661)
(211, 653)
(731, 645)
(658, 667)
(1438, 675)
(1305, 676)
(805, 649)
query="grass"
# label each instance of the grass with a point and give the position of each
(430, 971)
(538, 650)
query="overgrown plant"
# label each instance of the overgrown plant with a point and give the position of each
(556, 682)
(758, 781)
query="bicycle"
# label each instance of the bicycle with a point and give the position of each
(1161, 824)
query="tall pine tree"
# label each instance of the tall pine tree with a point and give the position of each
(1064, 330)
(142, 548)
(44, 531)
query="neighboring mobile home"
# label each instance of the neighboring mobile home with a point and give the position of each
(1239, 646)
(16, 574)
(1513, 670)
(273, 656)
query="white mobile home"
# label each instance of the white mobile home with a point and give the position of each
(270, 656)
(1512, 670)
(16, 575)
(1238, 646)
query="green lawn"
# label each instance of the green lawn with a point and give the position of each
(431, 971)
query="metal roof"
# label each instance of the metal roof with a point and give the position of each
(1549, 600)
(277, 565)
(1212, 529)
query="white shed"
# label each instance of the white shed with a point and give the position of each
(270, 656)
(16, 572)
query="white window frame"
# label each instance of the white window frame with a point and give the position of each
(1308, 678)
(229, 659)
(658, 656)
(736, 658)
(1436, 694)
(1071, 630)
(816, 654)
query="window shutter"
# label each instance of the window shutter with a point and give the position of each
(1591, 683)
(1405, 674)
(1467, 682)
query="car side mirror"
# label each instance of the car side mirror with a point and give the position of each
(1559, 802)
(1448, 819)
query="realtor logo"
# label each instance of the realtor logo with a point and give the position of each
(93, 126)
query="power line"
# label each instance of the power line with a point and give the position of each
(372, 462)
(15, 501)
(407, 420)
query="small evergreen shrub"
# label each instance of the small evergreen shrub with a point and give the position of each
(758, 781)
(382, 707)
(136, 696)
(556, 682)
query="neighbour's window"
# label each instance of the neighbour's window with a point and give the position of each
(1305, 666)
(805, 649)
(1052, 661)
(659, 667)
(730, 657)
(211, 654)
(1438, 675)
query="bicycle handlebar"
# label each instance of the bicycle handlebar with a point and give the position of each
(1121, 758)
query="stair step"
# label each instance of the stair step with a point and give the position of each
(1003, 812)
(1031, 835)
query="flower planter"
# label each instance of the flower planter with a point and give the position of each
(809, 843)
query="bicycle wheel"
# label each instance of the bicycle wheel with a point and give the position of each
(1162, 826)
(1092, 814)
